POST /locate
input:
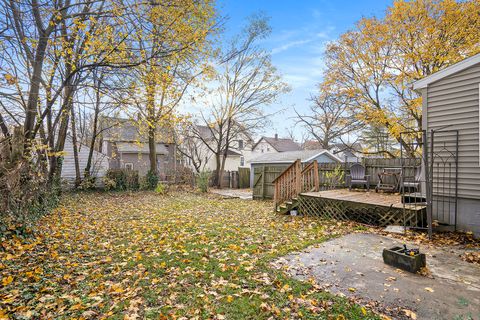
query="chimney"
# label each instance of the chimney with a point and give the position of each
(276, 136)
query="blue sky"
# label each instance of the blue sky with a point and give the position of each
(300, 30)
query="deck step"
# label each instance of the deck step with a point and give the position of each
(287, 206)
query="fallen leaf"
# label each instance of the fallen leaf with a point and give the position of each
(410, 314)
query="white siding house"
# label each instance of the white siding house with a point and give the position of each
(99, 161)
(273, 145)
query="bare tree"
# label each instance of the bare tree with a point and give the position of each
(190, 146)
(246, 82)
(329, 119)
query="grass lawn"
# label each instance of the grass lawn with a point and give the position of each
(183, 255)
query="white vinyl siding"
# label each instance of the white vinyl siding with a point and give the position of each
(99, 161)
(454, 102)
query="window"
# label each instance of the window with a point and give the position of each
(240, 144)
(242, 161)
(268, 149)
(129, 166)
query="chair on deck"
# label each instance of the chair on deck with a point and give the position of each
(357, 176)
(415, 184)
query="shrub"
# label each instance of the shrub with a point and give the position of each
(109, 183)
(121, 179)
(184, 175)
(117, 175)
(203, 179)
(162, 188)
(25, 191)
(334, 178)
(88, 183)
(150, 181)
(131, 180)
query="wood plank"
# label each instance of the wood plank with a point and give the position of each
(372, 198)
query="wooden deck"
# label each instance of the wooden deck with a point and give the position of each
(371, 197)
(366, 207)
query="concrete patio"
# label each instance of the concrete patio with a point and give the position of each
(353, 266)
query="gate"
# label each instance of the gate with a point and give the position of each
(430, 178)
(259, 183)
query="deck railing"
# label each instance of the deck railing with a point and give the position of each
(310, 177)
(288, 183)
(295, 180)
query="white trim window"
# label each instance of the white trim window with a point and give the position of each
(129, 166)
(242, 161)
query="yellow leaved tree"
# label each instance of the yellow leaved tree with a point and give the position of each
(376, 62)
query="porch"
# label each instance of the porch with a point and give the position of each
(372, 208)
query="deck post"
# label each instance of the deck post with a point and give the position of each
(298, 176)
(316, 176)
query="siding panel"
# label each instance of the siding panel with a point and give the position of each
(99, 163)
(454, 102)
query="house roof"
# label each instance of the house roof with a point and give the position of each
(280, 144)
(231, 152)
(291, 156)
(457, 67)
(134, 147)
(121, 129)
(206, 133)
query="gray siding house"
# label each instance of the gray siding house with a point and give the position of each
(127, 147)
(450, 103)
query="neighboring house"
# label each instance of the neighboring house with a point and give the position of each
(268, 166)
(274, 145)
(128, 148)
(238, 154)
(99, 161)
(347, 152)
(451, 102)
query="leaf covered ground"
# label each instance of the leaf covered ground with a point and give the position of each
(184, 255)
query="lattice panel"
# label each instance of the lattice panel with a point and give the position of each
(360, 212)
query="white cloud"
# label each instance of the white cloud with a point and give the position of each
(290, 45)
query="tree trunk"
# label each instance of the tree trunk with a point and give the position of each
(152, 148)
(4, 127)
(35, 80)
(94, 133)
(55, 159)
(222, 167)
(78, 178)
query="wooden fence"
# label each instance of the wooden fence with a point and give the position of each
(331, 175)
(230, 179)
(243, 178)
(263, 176)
